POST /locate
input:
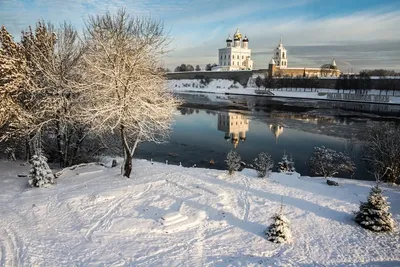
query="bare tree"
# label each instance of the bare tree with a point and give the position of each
(124, 91)
(328, 162)
(328, 70)
(381, 151)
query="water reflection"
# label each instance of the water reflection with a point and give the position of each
(277, 130)
(204, 136)
(234, 125)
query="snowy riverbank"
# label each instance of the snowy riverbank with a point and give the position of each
(230, 87)
(175, 216)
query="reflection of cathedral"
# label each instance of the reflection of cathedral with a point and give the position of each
(234, 125)
(277, 130)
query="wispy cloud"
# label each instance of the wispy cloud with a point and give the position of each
(313, 31)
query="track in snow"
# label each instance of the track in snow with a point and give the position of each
(105, 219)
(177, 222)
(9, 249)
(244, 199)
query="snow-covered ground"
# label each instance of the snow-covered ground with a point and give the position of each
(228, 86)
(174, 216)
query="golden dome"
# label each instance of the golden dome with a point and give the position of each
(237, 35)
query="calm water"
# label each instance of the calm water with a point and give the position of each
(209, 126)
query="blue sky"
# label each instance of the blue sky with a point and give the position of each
(359, 34)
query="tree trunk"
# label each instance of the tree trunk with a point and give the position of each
(28, 154)
(128, 165)
(60, 144)
(127, 154)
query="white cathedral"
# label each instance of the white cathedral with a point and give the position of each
(236, 55)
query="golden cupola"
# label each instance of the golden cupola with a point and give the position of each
(238, 35)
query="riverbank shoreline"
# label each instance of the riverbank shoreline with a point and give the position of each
(229, 87)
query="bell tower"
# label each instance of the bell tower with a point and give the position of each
(280, 56)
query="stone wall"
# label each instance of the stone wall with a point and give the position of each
(243, 77)
(240, 76)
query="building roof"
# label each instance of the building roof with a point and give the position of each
(272, 61)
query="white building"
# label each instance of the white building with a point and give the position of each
(280, 56)
(236, 55)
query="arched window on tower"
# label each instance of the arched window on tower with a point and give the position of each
(283, 55)
(221, 57)
(277, 53)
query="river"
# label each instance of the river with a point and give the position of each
(208, 126)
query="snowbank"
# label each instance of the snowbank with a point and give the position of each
(174, 216)
(221, 86)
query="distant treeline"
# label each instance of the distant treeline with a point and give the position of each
(188, 67)
(360, 83)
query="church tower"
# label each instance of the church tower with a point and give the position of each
(229, 41)
(237, 38)
(280, 56)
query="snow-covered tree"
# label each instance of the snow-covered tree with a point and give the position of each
(233, 161)
(263, 164)
(381, 151)
(374, 214)
(13, 84)
(55, 56)
(279, 231)
(124, 92)
(328, 162)
(40, 93)
(286, 164)
(40, 175)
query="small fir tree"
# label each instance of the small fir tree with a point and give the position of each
(291, 167)
(279, 231)
(40, 175)
(233, 161)
(286, 164)
(263, 164)
(374, 214)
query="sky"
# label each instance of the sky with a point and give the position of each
(359, 34)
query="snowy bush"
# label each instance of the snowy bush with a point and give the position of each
(374, 214)
(233, 161)
(286, 165)
(381, 151)
(332, 183)
(279, 231)
(263, 164)
(328, 162)
(40, 175)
